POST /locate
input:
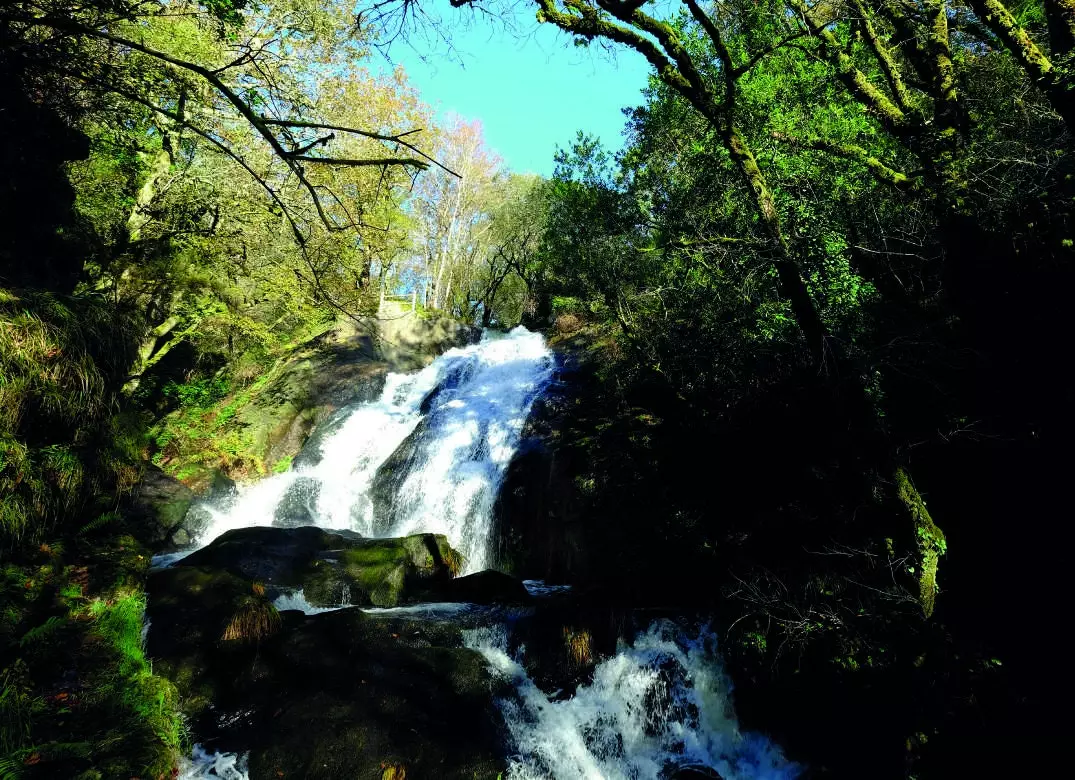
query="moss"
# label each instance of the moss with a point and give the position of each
(930, 543)
(381, 572)
(81, 697)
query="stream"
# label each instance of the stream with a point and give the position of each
(429, 455)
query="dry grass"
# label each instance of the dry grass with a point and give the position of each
(579, 646)
(255, 620)
(568, 323)
(455, 562)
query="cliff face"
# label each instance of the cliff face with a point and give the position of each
(261, 427)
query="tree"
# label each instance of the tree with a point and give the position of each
(450, 211)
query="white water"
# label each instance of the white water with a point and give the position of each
(485, 391)
(203, 765)
(660, 703)
(296, 599)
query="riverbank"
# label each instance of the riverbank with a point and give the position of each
(751, 511)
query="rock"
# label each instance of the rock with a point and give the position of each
(409, 342)
(310, 454)
(485, 587)
(694, 773)
(338, 694)
(274, 556)
(194, 524)
(161, 505)
(380, 572)
(347, 694)
(189, 609)
(221, 487)
(333, 568)
(389, 477)
(297, 507)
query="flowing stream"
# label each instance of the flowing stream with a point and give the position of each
(448, 432)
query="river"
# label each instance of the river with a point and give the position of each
(660, 705)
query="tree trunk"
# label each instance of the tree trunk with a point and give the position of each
(789, 275)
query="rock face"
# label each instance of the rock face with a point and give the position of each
(541, 509)
(340, 694)
(484, 587)
(333, 568)
(342, 367)
(160, 504)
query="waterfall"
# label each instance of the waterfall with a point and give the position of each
(429, 456)
(458, 422)
(661, 701)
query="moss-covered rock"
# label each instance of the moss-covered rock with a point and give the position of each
(160, 504)
(333, 568)
(358, 693)
(380, 572)
(332, 695)
(189, 610)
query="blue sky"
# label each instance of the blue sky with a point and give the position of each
(531, 88)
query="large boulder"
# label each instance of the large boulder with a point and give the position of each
(340, 694)
(333, 568)
(484, 587)
(360, 694)
(160, 505)
(380, 572)
(189, 610)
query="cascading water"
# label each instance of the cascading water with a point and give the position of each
(661, 701)
(429, 456)
(471, 404)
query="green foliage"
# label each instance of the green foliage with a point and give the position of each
(198, 393)
(61, 363)
(43, 633)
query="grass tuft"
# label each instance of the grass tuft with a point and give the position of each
(255, 620)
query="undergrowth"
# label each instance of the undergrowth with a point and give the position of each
(78, 697)
(204, 428)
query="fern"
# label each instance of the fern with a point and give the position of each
(99, 522)
(12, 767)
(39, 634)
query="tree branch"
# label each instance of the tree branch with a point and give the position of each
(880, 171)
(854, 79)
(884, 58)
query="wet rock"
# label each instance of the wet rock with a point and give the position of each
(380, 572)
(310, 454)
(333, 568)
(194, 524)
(485, 587)
(160, 504)
(389, 478)
(357, 694)
(297, 506)
(221, 487)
